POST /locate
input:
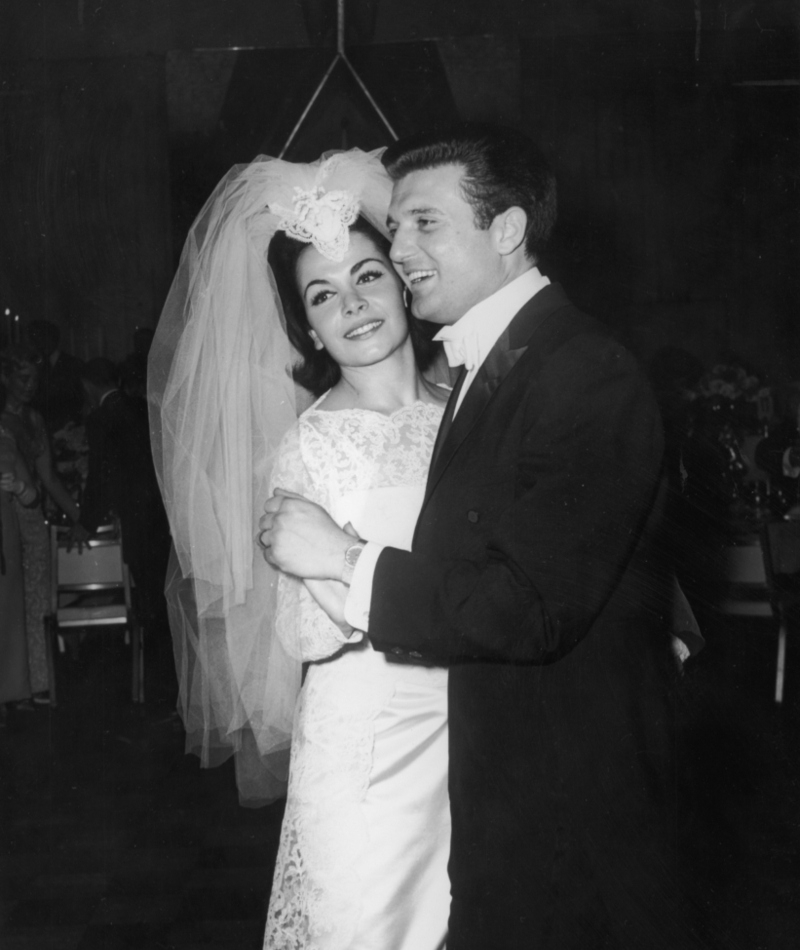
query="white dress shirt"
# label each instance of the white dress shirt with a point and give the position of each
(467, 341)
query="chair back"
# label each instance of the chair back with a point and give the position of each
(92, 588)
(781, 543)
(97, 567)
(746, 588)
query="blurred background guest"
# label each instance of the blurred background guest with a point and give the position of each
(121, 482)
(695, 464)
(133, 376)
(133, 370)
(16, 488)
(143, 340)
(59, 397)
(778, 454)
(19, 372)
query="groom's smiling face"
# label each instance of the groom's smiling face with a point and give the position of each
(448, 263)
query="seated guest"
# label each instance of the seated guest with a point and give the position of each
(778, 454)
(121, 481)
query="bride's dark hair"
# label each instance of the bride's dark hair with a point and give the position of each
(317, 371)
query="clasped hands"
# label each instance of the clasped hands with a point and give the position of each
(299, 537)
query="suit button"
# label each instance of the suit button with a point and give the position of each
(417, 656)
(473, 516)
(398, 651)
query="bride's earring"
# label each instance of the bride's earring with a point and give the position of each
(318, 345)
(407, 297)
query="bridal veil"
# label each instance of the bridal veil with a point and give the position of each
(221, 399)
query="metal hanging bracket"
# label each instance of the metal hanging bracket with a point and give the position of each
(341, 56)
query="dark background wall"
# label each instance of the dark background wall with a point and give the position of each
(672, 125)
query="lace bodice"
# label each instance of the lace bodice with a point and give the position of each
(370, 469)
(327, 457)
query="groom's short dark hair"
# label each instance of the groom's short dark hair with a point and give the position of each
(502, 169)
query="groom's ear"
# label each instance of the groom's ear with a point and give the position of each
(509, 229)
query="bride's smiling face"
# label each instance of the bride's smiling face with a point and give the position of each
(354, 306)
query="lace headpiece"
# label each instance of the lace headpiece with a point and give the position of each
(320, 217)
(221, 399)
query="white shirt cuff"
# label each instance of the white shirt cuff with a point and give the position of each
(355, 637)
(789, 470)
(359, 598)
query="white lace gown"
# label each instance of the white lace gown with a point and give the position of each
(362, 863)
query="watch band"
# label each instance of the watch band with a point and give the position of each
(351, 556)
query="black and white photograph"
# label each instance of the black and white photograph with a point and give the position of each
(399, 475)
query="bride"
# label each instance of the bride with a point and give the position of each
(365, 837)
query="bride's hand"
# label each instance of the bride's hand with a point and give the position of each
(331, 596)
(301, 538)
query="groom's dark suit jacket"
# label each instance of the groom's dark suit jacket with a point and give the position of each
(535, 575)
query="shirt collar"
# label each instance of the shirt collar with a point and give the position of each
(470, 339)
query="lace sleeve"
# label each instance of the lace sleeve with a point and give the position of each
(306, 631)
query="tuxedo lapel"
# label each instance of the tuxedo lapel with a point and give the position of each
(502, 358)
(493, 371)
(447, 418)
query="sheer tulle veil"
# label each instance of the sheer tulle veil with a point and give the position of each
(221, 399)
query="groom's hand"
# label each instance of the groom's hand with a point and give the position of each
(301, 538)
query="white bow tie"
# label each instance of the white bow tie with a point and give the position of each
(464, 349)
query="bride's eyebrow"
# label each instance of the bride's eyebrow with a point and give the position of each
(311, 283)
(367, 260)
(353, 270)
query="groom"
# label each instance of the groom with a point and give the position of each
(534, 575)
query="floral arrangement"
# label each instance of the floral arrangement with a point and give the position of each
(734, 397)
(734, 406)
(729, 381)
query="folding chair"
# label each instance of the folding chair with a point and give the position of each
(780, 541)
(746, 589)
(93, 589)
(747, 593)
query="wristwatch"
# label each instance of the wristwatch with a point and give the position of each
(351, 556)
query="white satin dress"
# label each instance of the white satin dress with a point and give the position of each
(362, 863)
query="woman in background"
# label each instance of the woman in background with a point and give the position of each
(16, 488)
(19, 371)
